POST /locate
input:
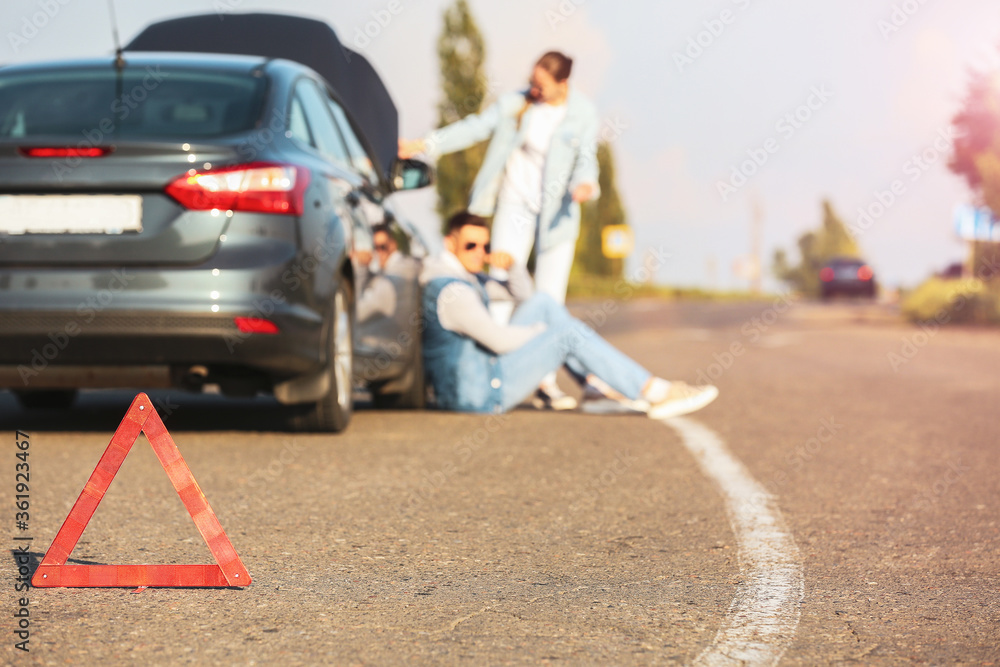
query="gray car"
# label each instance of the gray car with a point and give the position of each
(177, 220)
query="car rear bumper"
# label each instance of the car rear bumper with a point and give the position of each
(97, 325)
(858, 288)
(38, 343)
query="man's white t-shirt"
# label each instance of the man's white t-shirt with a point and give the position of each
(526, 164)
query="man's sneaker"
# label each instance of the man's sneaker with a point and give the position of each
(681, 399)
(552, 398)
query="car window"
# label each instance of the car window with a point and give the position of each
(324, 132)
(297, 125)
(90, 103)
(360, 159)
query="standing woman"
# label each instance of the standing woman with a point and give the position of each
(540, 164)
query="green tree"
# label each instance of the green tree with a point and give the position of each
(595, 216)
(815, 248)
(976, 156)
(461, 54)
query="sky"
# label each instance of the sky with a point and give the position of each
(719, 113)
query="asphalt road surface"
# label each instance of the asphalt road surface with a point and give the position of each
(838, 504)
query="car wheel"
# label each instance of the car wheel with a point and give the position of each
(48, 399)
(332, 412)
(415, 396)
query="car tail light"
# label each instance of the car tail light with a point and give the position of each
(826, 274)
(865, 273)
(64, 151)
(255, 325)
(259, 186)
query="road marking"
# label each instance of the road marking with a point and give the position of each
(764, 615)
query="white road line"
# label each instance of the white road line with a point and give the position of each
(765, 612)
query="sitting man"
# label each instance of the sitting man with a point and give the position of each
(378, 291)
(390, 259)
(475, 364)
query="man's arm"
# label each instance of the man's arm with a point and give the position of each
(461, 310)
(377, 298)
(519, 282)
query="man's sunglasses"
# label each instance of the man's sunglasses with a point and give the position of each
(382, 247)
(472, 245)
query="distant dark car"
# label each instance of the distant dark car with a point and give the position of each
(954, 271)
(846, 276)
(176, 220)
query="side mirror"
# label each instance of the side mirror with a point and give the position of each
(411, 174)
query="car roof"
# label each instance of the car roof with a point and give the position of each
(311, 42)
(235, 63)
(845, 260)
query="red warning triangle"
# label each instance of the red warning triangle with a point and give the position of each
(141, 418)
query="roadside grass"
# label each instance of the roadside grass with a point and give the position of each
(599, 287)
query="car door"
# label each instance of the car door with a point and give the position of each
(386, 338)
(311, 126)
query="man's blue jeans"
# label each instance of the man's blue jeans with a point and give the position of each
(566, 340)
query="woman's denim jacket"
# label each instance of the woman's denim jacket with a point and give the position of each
(571, 160)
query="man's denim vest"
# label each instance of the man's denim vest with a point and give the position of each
(465, 376)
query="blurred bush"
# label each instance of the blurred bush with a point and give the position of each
(944, 301)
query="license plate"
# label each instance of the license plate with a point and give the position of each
(847, 273)
(70, 214)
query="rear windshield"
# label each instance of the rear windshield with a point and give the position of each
(143, 103)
